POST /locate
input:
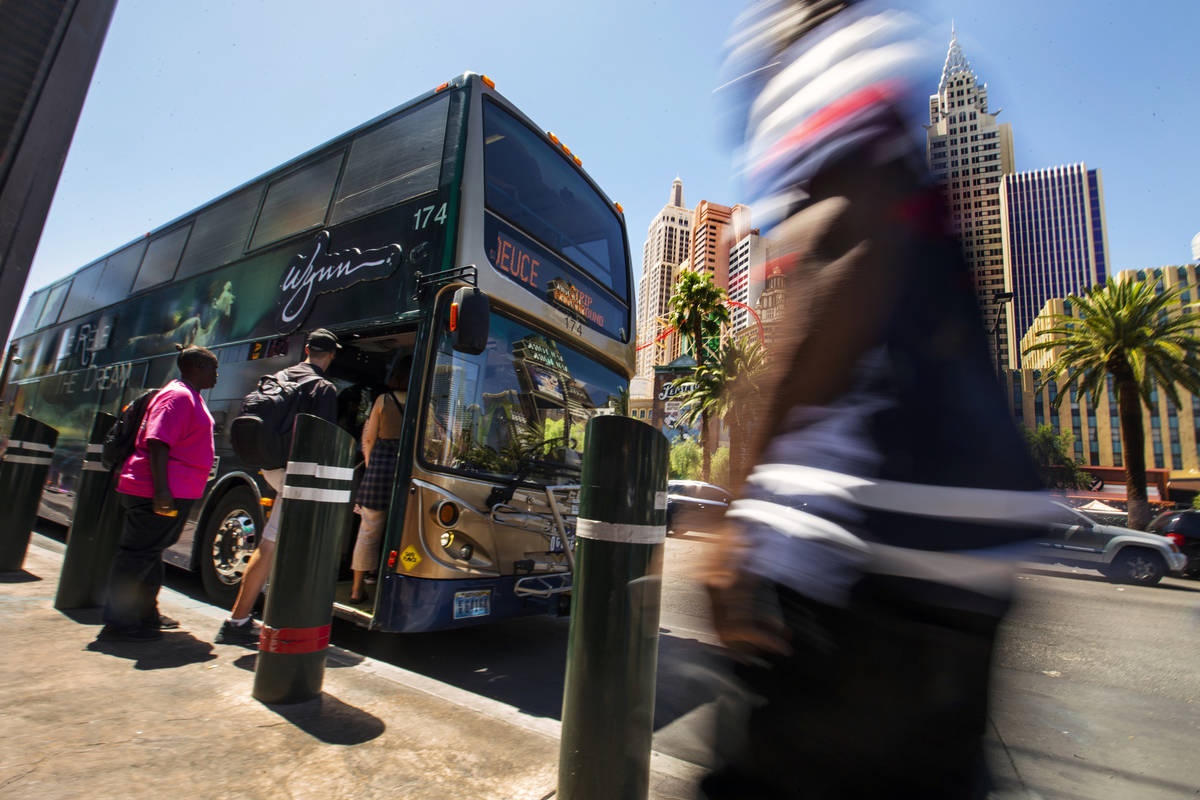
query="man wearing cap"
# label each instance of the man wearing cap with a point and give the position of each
(318, 397)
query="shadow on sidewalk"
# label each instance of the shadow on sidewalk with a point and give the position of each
(84, 616)
(175, 649)
(330, 720)
(249, 661)
(21, 576)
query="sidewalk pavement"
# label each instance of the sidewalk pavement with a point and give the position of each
(148, 720)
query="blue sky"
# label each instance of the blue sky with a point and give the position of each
(190, 100)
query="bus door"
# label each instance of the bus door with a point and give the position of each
(360, 372)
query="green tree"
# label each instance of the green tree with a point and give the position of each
(684, 460)
(697, 311)
(720, 466)
(1125, 329)
(1052, 452)
(725, 389)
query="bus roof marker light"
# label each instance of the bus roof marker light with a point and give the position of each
(553, 138)
(578, 163)
(491, 84)
(620, 209)
(443, 87)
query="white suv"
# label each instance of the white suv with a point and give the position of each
(1123, 555)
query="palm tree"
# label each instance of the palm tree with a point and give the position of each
(697, 310)
(724, 389)
(1124, 329)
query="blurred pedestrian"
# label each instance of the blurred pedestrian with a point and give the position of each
(867, 560)
(318, 396)
(381, 448)
(158, 484)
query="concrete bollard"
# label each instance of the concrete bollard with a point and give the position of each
(612, 650)
(95, 528)
(299, 606)
(22, 478)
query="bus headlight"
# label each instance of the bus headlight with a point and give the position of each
(455, 547)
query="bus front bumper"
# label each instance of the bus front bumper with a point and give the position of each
(412, 605)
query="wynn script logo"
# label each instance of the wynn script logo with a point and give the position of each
(322, 272)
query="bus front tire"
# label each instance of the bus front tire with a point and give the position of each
(229, 537)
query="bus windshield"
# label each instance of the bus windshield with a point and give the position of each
(535, 188)
(517, 410)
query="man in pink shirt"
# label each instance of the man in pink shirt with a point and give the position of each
(158, 484)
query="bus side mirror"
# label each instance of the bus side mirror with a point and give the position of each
(470, 317)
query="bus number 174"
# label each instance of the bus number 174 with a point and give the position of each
(421, 216)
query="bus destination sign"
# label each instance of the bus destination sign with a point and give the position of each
(542, 273)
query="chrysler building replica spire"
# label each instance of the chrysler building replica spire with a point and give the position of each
(968, 152)
(665, 249)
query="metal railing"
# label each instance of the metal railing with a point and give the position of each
(557, 524)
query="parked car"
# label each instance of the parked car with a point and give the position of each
(1182, 528)
(1121, 554)
(694, 505)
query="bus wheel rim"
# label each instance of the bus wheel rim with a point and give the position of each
(232, 546)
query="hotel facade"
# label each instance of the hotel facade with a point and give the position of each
(1172, 434)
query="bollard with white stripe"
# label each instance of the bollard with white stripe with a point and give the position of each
(612, 649)
(299, 608)
(22, 478)
(95, 528)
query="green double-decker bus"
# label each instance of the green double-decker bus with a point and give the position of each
(372, 235)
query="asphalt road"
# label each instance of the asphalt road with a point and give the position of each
(1097, 686)
(1096, 696)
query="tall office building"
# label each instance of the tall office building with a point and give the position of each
(668, 244)
(746, 279)
(968, 151)
(711, 238)
(1054, 239)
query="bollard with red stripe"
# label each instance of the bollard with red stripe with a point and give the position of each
(23, 471)
(299, 608)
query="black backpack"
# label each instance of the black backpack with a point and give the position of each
(262, 435)
(122, 436)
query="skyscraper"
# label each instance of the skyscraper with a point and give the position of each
(746, 279)
(667, 246)
(968, 152)
(1055, 242)
(711, 238)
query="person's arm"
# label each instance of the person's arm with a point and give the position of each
(371, 429)
(848, 264)
(160, 432)
(848, 251)
(164, 502)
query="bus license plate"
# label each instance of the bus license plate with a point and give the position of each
(556, 545)
(476, 603)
